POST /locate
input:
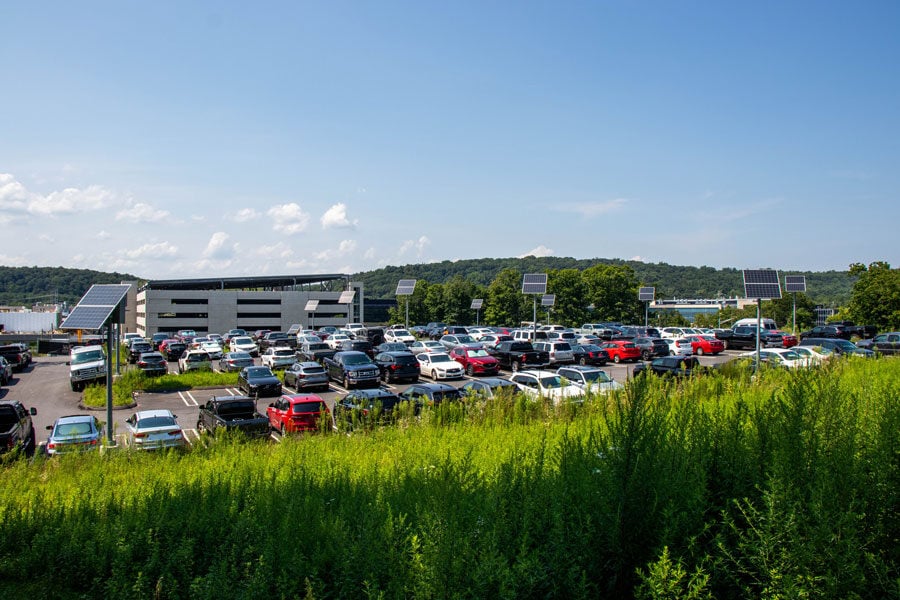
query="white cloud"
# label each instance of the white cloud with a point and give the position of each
(369, 254)
(638, 259)
(346, 246)
(103, 235)
(13, 261)
(592, 209)
(418, 244)
(72, 200)
(539, 252)
(142, 212)
(244, 215)
(336, 217)
(279, 250)
(13, 195)
(289, 218)
(218, 247)
(162, 250)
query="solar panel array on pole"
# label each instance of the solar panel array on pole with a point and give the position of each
(477, 303)
(646, 294)
(405, 287)
(762, 284)
(96, 307)
(534, 283)
(548, 299)
(795, 283)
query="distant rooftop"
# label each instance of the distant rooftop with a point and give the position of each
(268, 282)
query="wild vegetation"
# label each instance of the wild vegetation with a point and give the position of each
(726, 486)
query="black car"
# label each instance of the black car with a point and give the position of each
(174, 350)
(395, 366)
(152, 363)
(651, 347)
(675, 366)
(488, 387)
(358, 346)
(157, 338)
(369, 401)
(430, 393)
(259, 382)
(137, 348)
(589, 354)
(392, 347)
(315, 351)
(839, 346)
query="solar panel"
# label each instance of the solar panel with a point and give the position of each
(477, 303)
(646, 294)
(548, 299)
(311, 305)
(347, 297)
(405, 287)
(96, 306)
(762, 284)
(795, 283)
(534, 283)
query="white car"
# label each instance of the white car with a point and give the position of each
(779, 357)
(152, 429)
(679, 346)
(479, 332)
(813, 356)
(194, 360)
(439, 365)
(307, 338)
(399, 335)
(213, 348)
(543, 384)
(336, 340)
(593, 379)
(426, 346)
(243, 343)
(278, 357)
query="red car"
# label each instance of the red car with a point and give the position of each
(787, 340)
(300, 412)
(476, 361)
(619, 350)
(706, 344)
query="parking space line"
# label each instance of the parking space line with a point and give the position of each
(188, 399)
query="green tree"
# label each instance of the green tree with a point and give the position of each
(458, 294)
(435, 304)
(418, 312)
(876, 295)
(505, 302)
(612, 289)
(570, 308)
(782, 311)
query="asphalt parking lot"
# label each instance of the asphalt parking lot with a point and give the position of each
(45, 386)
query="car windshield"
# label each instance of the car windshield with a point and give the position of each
(790, 355)
(285, 352)
(357, 359)
(83, 357)
(465, 339)
(476, 353)
(597, 377)
(241, 340)
(401, 332)
(154, 422)
(553, 381)
(260, 372)
(845, 345)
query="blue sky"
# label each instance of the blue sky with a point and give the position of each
(173, 139)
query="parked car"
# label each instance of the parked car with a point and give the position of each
(704, 344)
(827, 331)
(883, 343)
(235, 361)
(74, 433)
(675, 366)
(152, 364)
(391, 347)
(369, 406)
(680, 346)
(212, 348)
(475, 361)
(439, 365)
(259, 382)
(399, 335)
(779, 357)
(839, 346)
(137, 348)
(621, 350)
(358, 346)
(516, 355)
(153, 430)
(17, 428)
(489, 387)
(293, 413)
(243, 343)
(274, 339)
(194, 360)
(813, 356)
(544, 384)
(335, 340)
(157, 338)
(426, 346)
(452, 340)
(397, 366)
(278, 357)
(492, 339)
(430, 394)
(590, 379)
(233, 333)
(651, 347)
(314, 351)
(303, 375)
(232, 413)
(172, 349)
(352, 368)
(6, 372)
(788, 340)
(560, 353)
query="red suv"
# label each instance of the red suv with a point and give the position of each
(619, 350)
(300, 412)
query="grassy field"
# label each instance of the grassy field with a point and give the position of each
(722, 487)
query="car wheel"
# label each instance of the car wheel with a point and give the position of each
(727, 345)
(470, 371)
(282, 430)
(346, 382)
(32, 445)
(582, 361)
(699, 351)
(616, 359)
(515, 366)
(200, 426)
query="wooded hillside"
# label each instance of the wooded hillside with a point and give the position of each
(29, 285)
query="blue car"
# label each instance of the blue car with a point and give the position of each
(74, 433)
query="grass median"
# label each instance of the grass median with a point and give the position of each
(133, 380)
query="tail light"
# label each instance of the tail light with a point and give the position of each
(140, 435)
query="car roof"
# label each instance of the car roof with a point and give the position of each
(579, 368)
(293, 398)
(157, 412)
(371, 393)
(75, 419)
(435, 387)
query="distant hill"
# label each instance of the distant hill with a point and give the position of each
(30, 285)
(670, 281)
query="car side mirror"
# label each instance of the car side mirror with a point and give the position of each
(49, 427)
(33, 411)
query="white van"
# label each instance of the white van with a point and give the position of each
(766, 323)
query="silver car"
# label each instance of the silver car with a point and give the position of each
(154, 429)
(74, 433)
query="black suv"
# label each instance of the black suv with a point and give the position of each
(397, 365)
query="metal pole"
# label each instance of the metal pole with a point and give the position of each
(794, 322)
(758, 323)
(534, 322)
(407, 312)
(646, 314)
(109, 387)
